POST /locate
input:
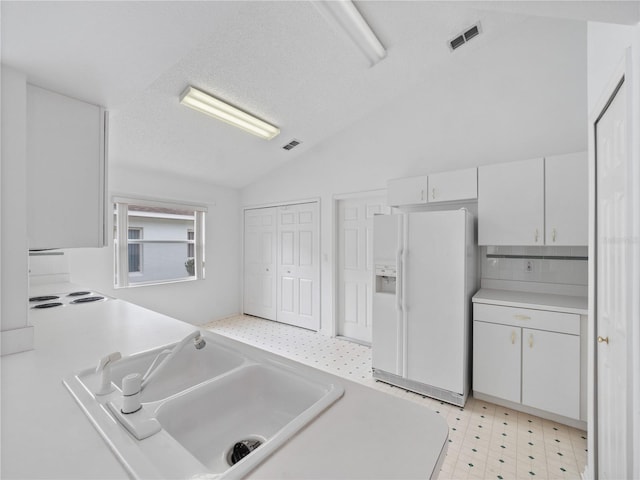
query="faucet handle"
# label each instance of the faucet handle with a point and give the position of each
(131, 386)
(104, 367)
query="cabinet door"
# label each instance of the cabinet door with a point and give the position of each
(511, 203)
(566, 199)
(451, 186)
(407, 191)
(496, 360)
(66, 171)
(551, 372)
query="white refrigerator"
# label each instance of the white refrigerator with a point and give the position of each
(425, 275)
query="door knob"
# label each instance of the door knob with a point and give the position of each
(603, 339)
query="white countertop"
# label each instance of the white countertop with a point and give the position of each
(366, 434)
(536, 301)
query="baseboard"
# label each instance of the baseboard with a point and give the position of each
(572, 422)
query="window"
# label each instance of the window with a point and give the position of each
(190, 246)
(135, 250)
(157, 242)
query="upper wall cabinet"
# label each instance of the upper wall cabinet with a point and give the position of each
(566, 199)
(534, 202)
(66, 171)
(511, 203)
(407, 191)
(457, 185)
(452, 186)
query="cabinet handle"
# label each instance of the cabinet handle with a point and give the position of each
(519, 316)
(603, 339)
(513, 337)
(433, 193)
(536, 236)
(553, 235)
(422, 195)
(531, 340)
(267, 269)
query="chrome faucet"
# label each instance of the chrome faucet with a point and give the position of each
(134, 383)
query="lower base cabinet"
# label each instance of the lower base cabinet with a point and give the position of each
(496, 360)
(530, 357)
(551, 372)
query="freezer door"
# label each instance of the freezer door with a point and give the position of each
(387, 332)
(434, 299)
(386, 238)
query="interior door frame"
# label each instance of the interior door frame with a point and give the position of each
(335, 242)
(282, 204)
(626, 71)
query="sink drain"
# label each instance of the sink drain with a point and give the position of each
(242, 448)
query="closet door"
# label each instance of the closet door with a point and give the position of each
(299, 265)
(260, 262)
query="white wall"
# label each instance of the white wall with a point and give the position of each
(16, 334)
(196, 302)
(455, 119)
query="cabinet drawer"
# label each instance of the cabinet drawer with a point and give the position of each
(527, 318)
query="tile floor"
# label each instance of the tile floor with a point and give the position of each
(485, 440)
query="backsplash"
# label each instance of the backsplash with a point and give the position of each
(572, 269)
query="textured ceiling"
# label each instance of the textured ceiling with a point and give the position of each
(279, 60)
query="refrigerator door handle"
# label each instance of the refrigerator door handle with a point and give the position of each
(399, 285)
(403, 262)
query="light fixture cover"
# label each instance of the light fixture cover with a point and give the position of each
(210, 105)
(345, 15)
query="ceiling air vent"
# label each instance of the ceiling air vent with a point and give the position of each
(465, 36)
(292, 144)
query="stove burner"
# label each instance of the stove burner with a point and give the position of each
(79, 294)
(48, 305)
(43, 298)
(87, 299)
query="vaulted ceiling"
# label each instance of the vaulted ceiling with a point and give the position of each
(279, 60)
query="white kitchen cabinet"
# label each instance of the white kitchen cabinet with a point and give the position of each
(566, 199)
(528, 357)
(66, 177)
(453, 186)
(496, 360)
(551, 372)
(407, 191)
(511, 203)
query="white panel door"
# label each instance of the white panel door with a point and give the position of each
(496, 360)
(433, 290)
(355, 265)
(551, 372)
(566, 199)
(511, 203)
(614, 292)
(298, 285)
(260, 262)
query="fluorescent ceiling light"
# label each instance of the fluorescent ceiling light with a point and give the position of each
(205, 103)
(345, 14)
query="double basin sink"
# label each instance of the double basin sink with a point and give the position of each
(206, 403)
